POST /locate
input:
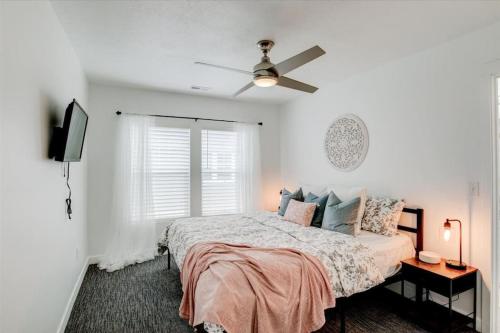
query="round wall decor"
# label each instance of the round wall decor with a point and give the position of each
(346, 142)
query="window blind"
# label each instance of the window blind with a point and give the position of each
(170, 172)
(220, 174)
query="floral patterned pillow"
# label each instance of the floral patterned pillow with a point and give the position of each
(382, 215)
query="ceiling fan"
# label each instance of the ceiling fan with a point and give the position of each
(267, 74)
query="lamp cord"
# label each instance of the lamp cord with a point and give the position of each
(68, 200)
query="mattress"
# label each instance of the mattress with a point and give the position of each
(388, 251)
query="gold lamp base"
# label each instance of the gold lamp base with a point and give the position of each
(455, 264)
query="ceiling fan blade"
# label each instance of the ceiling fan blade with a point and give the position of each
(224, 67)
(297, 85)
(299, 60)
(248, 86)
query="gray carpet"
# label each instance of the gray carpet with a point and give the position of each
(146, 297)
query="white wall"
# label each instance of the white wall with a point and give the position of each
(42, 251)
(2, 89)
(105, 100)
(428, 117)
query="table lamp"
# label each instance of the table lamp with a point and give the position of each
(447, 233)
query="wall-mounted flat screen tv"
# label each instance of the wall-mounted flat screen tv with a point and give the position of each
(69, 139)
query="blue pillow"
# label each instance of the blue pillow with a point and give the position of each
(341, 216)
(286, 196)
(320, 208)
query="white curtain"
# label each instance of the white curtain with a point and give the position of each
(250, 167)
(133, 237)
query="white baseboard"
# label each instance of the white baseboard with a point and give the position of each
(72, 298)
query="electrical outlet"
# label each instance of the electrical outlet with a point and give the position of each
(474, 188)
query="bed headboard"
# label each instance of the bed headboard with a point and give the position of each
(418, 230)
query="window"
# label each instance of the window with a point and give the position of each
(196, 171)
(170, 172)
(220, 174)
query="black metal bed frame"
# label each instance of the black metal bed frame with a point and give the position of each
(418, 230)
(342, 302)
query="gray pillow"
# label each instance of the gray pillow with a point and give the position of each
(320, 208)
(286, 196)
(341, 216)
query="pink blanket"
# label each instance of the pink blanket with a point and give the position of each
(249, 290)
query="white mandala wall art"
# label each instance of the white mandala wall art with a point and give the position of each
(346, 142)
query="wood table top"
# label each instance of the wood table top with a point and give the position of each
(440, 269)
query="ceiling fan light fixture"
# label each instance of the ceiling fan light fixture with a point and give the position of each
(266, 74)
(265, 81)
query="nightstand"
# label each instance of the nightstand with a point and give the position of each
(442, 280)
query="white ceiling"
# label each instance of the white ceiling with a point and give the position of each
(154, 44)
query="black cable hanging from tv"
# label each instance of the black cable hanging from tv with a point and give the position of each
(69, 211)
(191, 118)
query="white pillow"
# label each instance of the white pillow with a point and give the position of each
(345, 193)
(319, 190)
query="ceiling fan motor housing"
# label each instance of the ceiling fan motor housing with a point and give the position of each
(265, 68)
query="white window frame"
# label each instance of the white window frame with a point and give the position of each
(179, 123)
(174, 126)
(195, 177)
(236, 172)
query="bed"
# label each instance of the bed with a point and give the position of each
(353, 264)
(388, 252)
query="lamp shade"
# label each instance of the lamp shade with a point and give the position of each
(447, 231)
(265, 81)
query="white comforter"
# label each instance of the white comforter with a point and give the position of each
(350, 265)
